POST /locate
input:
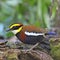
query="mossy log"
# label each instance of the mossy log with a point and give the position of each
(17, 54)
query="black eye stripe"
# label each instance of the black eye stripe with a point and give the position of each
(16, 27)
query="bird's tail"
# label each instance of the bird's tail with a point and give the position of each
(50, 33)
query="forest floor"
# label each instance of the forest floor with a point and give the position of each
(8, 53)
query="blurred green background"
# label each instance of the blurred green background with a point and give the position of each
(41, 13)
(29, 12)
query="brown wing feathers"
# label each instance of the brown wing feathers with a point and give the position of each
(33, 29)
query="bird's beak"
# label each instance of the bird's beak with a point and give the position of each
(8, 29)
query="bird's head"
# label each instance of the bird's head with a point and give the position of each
(15, 28)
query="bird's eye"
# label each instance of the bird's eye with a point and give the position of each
(15, 27)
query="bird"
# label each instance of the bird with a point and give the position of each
(31, 35)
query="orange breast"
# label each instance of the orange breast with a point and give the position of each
(22, 36)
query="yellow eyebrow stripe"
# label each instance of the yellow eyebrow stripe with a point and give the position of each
(15, 25)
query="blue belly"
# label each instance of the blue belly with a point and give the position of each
(33, 39)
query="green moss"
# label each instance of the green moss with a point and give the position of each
(12, 56)
(55, 52)
(9, 34)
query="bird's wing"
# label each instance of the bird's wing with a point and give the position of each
(34, 29)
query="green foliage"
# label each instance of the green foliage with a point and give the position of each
(35, 12)
(9, 34)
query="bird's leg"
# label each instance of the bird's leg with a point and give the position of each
(33, 46)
